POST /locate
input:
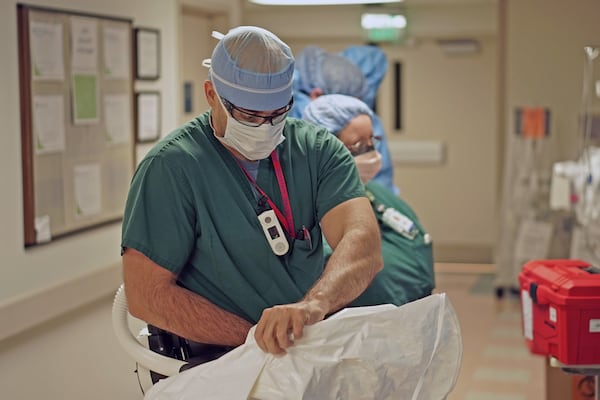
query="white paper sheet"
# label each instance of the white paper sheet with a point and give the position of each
(117, 117)
(148, 118)
(42, 229)
(46, 46)
(560, 192)
(87, 189)
(116, 56)
(147, 54)
(84, 45)
(48, 123)
(527, 309)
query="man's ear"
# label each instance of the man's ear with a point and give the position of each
(316, 92)
(210, 93)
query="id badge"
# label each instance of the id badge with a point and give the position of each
(399, 223)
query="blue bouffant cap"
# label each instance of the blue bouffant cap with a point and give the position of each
(335, 111)
(253, 69)
(373, 63)
(330, 72)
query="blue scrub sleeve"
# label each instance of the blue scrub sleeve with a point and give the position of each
(386, 175)
(301, 100)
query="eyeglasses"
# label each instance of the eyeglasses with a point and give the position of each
(359, 148)
(254, 120)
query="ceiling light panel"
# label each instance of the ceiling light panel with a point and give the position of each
(319, 2)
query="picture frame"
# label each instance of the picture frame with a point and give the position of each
(147, 53)
(147, 116)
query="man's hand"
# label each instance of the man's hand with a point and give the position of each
(279, 325)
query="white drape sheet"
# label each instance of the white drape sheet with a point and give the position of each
(382, 352)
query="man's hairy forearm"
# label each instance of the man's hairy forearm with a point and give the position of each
(193, 317)
(349, 271)
(154, 297)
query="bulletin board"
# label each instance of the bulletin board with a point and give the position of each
(77, 120)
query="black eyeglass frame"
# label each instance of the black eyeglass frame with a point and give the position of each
(272, 119)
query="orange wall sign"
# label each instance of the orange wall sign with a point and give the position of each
(532, 122)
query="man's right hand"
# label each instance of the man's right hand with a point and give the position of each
(280, 325)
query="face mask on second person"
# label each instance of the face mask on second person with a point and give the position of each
(368, 165)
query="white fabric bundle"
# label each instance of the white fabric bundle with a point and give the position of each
(383, 352)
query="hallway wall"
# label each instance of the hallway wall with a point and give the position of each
(93, 254)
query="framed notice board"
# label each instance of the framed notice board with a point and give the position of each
(77, 120)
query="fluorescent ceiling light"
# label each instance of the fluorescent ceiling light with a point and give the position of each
(319, 2)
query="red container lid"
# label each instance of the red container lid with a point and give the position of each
(565, 281)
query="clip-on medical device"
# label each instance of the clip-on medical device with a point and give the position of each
(273, 232)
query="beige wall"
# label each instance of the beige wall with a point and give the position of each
(193, 26)
(446, 98)
(545, 59)
(451, 99)
(196, 44)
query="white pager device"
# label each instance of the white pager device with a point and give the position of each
(273, 232)
(399, 223)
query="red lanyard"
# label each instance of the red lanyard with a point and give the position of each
(288, 221)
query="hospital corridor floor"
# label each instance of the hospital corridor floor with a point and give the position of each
(496, 364)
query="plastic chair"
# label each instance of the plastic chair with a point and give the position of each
(158, 354)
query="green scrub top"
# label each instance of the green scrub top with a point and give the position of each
(191, 210)
(407, 272)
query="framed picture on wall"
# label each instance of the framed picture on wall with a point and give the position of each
(147, 53)
(147, 116)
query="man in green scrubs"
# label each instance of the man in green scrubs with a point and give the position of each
(223, 221)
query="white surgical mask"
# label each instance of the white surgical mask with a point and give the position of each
(254, 143)
(368, 165)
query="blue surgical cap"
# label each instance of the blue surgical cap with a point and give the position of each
(330, 72)
(335, 111)
(253, 69)
(373, 63)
